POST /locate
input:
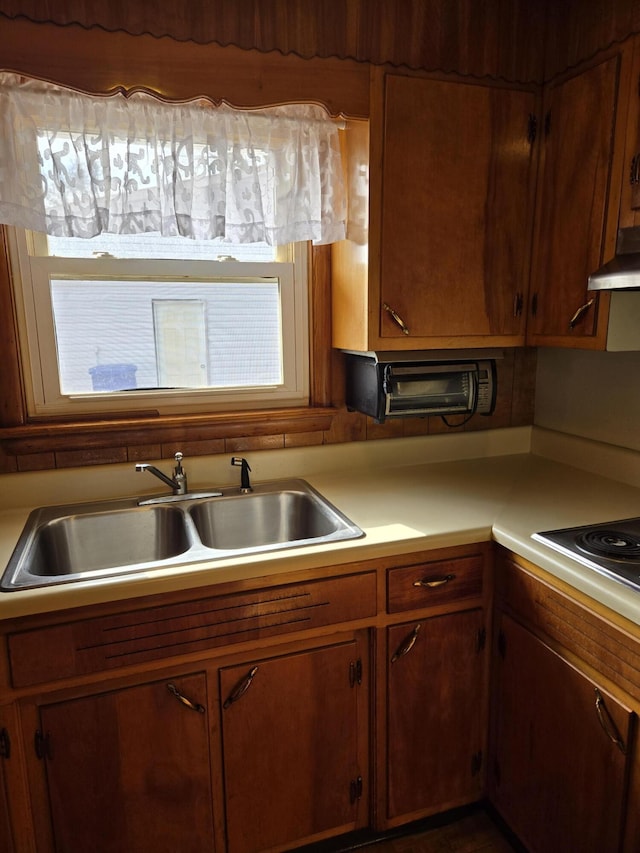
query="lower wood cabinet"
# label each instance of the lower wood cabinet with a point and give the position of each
(6, 840)
(129, 769)
(435, 722)
(295, 743)
(561, 745)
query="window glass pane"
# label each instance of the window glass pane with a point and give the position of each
(124, 335)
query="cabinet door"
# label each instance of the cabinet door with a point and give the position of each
(295, 741)
(129, 770)
(435, 714)
(572, 204)
(558, 773)
(456, 213)
(6, 842)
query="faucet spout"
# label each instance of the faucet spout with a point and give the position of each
(177, 483)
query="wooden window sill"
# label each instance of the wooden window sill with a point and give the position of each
(87, 435)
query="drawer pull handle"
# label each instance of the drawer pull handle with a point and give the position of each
(432, 583)
(397, 318)
(240, 689)
(407, 644)
(610, 728)
(193, 706)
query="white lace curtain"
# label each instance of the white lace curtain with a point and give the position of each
(78, 165)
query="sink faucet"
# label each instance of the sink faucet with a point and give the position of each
(179, 480)
(245, 485)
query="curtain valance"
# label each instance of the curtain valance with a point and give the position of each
(78, 165)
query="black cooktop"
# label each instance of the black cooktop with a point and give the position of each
(611, 548)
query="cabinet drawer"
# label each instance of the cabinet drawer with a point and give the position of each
(440, 582)
(109, 642)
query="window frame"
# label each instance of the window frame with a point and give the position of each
(30, 274)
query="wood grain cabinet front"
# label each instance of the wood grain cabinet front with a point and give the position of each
(126, 769)
(578, 195)
(562, 744)
(6, 840)
(435, 714)
(295, 743)
(435, 583)
(452, 170)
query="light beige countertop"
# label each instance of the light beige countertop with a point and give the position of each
(407, 495)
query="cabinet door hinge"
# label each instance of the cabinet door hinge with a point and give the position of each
(355, 789)
(5, 744)
(355, 672)
(496, 772)
(502, 644)
(534, 304)
(481, 640)
(547, 123)
(42, 744)
(476, 763)
(532, 128)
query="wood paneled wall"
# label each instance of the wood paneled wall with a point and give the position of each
(498, 38)
(514, 407)
(580, 28)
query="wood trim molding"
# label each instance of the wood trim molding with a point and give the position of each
(125, 432)
(18, 436)
(101, 62)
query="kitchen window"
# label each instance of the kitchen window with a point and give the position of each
(122, 323)
(172, 277)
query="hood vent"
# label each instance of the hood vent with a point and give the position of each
(623, 271)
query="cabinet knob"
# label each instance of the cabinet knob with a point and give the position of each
(397, 318)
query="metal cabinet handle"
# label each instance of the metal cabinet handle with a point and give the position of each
(517, 304)
(608, 724)
(634, 172)
(240, 689)
(582, 310)
(432, 583)
(397, 318)
(193, 706)
(407, 644)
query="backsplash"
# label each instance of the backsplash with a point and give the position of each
(514, 407)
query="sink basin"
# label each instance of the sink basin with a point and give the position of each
(86, 543)
(112, 538)
(102, 540)
(259, 520)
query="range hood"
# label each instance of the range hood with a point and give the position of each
(623, 271)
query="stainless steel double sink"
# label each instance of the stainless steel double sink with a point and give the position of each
(113, 538)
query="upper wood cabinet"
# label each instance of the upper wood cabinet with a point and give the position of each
(630, 193)
(577, 203)
(451, 180)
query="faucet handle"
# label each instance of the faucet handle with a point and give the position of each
(178, 457)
